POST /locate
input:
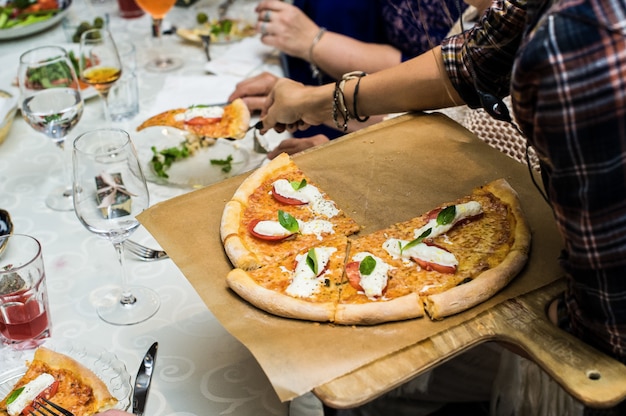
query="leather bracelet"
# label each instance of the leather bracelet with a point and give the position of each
(354, 100)
(315, 71)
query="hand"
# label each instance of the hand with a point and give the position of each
(292, 146)
(254, 91)
(286, 27)
(281, 107)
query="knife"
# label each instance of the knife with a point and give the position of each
(142, 382)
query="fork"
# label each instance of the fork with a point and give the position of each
(50, 408)
(143, 252)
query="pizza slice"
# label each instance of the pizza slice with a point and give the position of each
(305, 285)
(62, 380)
(452, 258)
(277, 212)
(231, 121)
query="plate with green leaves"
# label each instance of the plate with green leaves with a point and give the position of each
(20, 18)
(172, 158)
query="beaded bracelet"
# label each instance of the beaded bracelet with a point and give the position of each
(339, 100)
(315, 71)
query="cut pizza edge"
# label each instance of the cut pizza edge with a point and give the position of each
(46, 359)
(486, 284)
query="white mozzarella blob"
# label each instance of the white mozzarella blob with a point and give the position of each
(317, 227)
(271, 228)
(308, 194)
(305, 283)
(373, 284)
(469, 209)
(31, 390)
(204, 112)
(424, 252)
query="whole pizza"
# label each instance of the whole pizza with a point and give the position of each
(298, 255)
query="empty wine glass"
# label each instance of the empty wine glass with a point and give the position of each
(109, 191)
(158, 9)
(51, 103)
(99, 63)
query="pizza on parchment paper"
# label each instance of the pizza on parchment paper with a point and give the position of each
(231, 121)
(62, 380)
(440, 263)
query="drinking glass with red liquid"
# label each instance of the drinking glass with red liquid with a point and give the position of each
(129, 9)
(24, 311)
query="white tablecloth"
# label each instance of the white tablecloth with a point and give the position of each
(201, 369)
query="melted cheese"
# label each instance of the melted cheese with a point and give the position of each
(271, 228)
(373, 284)
(308, 194)
(275, 229)
(31, 390)
(204, 112)
(463, 211)
(430, 254)
(305, 283)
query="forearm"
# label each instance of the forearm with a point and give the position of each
(415, 85)
(337, 54)
(418, 84)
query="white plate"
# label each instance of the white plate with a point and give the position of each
(8, 72)
(20, 31)
(195, 171)
(103, 363)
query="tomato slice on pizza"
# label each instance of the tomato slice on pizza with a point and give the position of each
(231, 121)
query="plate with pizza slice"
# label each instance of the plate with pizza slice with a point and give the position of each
(81, 378)
(195, 146)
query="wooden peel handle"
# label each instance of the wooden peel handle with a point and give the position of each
(590, 376)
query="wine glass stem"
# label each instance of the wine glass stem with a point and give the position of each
(127, 299)
(66, 161)
(156, 30)
(105, 106)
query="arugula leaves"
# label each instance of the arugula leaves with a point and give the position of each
(163, 159)
(226, 164)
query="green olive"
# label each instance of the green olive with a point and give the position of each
(202, 18)
(98, 23)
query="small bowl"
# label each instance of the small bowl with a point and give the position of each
(6, 120)
(6, 227)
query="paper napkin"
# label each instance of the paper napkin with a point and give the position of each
(242, 58)
(184, 91)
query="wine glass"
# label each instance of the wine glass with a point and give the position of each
(158, 9)
(99, 63)
(109, 191)
(51, 103)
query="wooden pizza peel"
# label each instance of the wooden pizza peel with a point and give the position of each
(380, 175)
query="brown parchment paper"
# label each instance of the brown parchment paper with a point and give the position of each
(387, 173)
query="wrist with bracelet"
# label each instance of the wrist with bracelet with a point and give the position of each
(315, 71)
(339, 101)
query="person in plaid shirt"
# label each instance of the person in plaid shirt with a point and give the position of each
(564, 64)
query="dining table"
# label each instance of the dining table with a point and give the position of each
(217, 354)
(201, 368)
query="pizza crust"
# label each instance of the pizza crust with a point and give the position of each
(399, 309)
(277, 303)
